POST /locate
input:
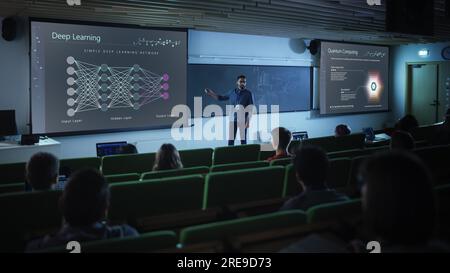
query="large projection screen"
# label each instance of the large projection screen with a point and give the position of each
(91, 78)
(353, 78)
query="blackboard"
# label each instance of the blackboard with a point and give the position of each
(287, 86)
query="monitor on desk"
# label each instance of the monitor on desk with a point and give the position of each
(8, 126)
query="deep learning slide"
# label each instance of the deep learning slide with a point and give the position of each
(90, 78)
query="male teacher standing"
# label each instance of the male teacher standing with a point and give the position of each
(238, 97)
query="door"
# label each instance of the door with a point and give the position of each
(444, 89)
(424, 92)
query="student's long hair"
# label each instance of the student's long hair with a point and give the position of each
(167, 158)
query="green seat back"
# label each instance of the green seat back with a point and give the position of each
(239, 166)
(130, 163)
(223, 230)
(12, 173)
(177, 172)
(334, 144)
(233, 154)
(241, 186)
(126, 177)
(134, 200)
(336, 211)
(291, 187)
(196, 157)
(25, 215)
(68, 166)
(15, 187)
(281, 162)
(347, 153)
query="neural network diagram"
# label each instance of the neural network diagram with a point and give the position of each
(103, 87)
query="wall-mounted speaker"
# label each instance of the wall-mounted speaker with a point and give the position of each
(410, 17)
(9, 28)
(314, 46)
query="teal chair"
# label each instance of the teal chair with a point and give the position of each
(129, 163)
(220, 231)
(12, 173)
(126, 177)
(242, 186)
(203, 170)
(147, 242)
(333, 212)
(234, 154)
(196, 157)
(239, 166)
(68, 166)
(26, 215)
(131, 201)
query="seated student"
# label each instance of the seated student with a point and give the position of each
(281, 137)
(342, 130)
(167, 158)
(401, 140)
(84, 205)
(128, 149)
(311, 166)
(41, 172)
(442, 136)
(407, 123)
(398, 203)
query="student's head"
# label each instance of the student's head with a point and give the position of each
(42, 171)
(342, 130)
(401, 140)
(407, 123)
(85, 199)
(398, 201)
(241, 81)
(128, 149)
(311, 167)
(167, 158)
(281, 137)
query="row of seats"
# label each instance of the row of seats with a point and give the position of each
(227, 231)
(342, 173)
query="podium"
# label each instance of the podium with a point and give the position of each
(11, 152)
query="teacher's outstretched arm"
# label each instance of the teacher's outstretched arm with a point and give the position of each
(214, 95)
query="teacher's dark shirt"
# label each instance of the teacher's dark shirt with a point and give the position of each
(238, 97)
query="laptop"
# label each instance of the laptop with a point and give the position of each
(109, 148)
(301, 135)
